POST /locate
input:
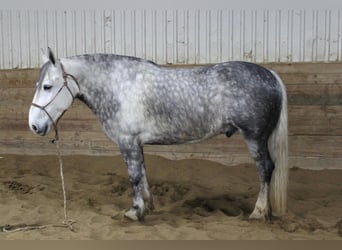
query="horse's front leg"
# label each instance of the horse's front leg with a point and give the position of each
(134, 158)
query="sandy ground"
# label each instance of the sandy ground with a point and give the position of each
(194, 199)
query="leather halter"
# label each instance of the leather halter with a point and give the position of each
(65, 85)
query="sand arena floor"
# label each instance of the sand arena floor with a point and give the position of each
(194, 199)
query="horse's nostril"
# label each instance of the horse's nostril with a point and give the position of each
(34, 127)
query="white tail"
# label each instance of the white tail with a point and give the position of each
(278, 146)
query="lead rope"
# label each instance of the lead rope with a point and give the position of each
(67, 221)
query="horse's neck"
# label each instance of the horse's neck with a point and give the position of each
(92, 89)
(73, 67)
(80, 71)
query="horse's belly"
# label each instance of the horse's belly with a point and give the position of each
(170, 140)
(180, 133)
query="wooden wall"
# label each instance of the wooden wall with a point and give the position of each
(315, 122)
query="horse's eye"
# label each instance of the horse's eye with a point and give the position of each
(47, 87)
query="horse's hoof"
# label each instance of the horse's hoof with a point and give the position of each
(133, 214)
(260, 216)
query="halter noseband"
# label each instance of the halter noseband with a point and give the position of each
(65, 77)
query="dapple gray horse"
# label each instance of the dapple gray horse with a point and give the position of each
(139, 102)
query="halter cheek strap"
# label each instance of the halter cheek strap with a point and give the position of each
(65, 85)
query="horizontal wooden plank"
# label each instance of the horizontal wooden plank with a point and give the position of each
(293, 68)
(15, 83)
(319, 94)
(303, 120)
(311, 78)
(298, 94)
(315, 163)
(329, 146)
(20, 96)
(79, 111)
(315, 120)
(288, 79)
(228, 159)
(63, 125)
(19, 74)
(309, 146)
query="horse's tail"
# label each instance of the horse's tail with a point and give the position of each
(278, 146)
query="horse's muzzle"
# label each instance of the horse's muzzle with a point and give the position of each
(39, 130)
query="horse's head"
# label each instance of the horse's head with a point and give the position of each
(55, 92)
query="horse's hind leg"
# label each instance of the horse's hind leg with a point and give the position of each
(265, 166)
(134, 158)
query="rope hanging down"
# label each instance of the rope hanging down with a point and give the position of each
(67, 222)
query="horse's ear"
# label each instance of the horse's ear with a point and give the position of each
(45, 59)
(51, 56)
